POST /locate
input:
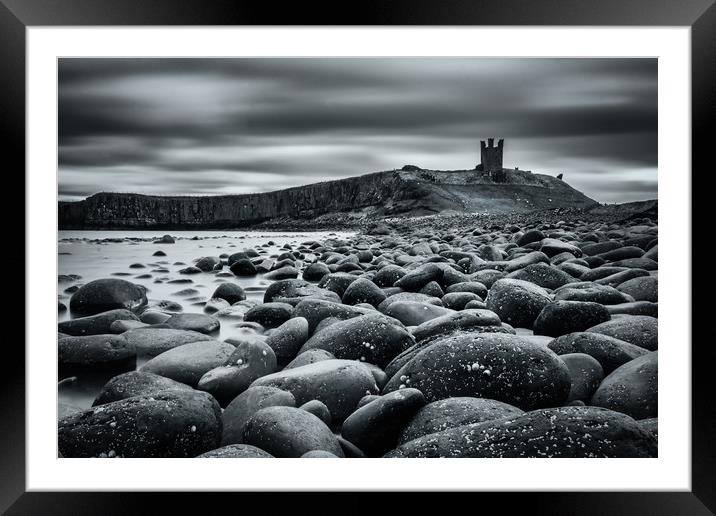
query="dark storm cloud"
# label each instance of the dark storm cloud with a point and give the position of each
(202, 126)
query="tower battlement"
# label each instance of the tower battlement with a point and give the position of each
(491, 158)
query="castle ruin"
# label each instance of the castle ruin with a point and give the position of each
(491, 159)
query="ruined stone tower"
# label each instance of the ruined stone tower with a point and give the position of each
(491, 159)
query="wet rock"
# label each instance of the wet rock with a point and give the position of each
(310, 356)
(201, 323)
(245, 405)
(432, 289)
(458, 300)
(616, 279)
(287, 339)
(95, 353)
(190, 270)
(563, 317)
(95, 324)
(230, 292)
(289, 432)
(530, 236)
(363, 291)
(286, 272)
(107, 294)
(214, 305)
(469, 286)
(171, 423)
(319, 410)
(416, 279)
(635, 308)
(644, 288)
(121, 325)
(552, 247)
(640, 330)
(166, 239)
(591, 292)
(236, 451)
(650, 425)
(455, 321)
(543, 275)
(339, 384)
(292, 289)
(525, 260)
(189, 362)
(316, 271)
(369, 338)
(159, 253)
(269, 315)
(154, 341)
(337, 282)
(154, 317)
(632, 388)
(315, 310)
(135, 383)
(208, 263)
(248, 362)
(498, 366)
(388, 275)
(319, 454)
(395, 297)
(586, 373)
(517, 302)
(243, 267)
(454, 412)
(375, 427)
(555, 432)
(412, 313)
(608, 351)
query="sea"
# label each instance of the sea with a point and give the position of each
(93, 255)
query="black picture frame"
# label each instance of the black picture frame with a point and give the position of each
(17, 15)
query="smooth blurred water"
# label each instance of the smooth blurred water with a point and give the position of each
(81, 253)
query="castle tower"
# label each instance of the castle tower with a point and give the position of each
(491, 158)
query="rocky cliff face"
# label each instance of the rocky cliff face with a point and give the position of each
(413, 191)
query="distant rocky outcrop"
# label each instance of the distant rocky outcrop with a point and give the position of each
(410, 191)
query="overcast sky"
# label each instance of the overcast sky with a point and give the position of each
(224, 126)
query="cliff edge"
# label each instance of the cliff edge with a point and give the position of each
(409, 191)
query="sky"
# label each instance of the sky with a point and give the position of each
(229, 126)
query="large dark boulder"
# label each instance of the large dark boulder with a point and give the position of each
(107, 294)
(173, 423)
(289, 432)
(155, 341)
(374, 427)
(230, 292)
(249, 361)
(632, 388)
(245, 405)
(95, 324)
(451, 412)
(563, 317)
(135, 383)
(189, 362)
(369, 338)
(576, 432)
(498, 366)
(608, 351)
(94, 353)
(640, 330)
(517, 302)
(287, 339)
(339, 384)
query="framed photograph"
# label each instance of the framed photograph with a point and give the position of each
(425, 239)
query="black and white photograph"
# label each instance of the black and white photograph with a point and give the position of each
(364, 257)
